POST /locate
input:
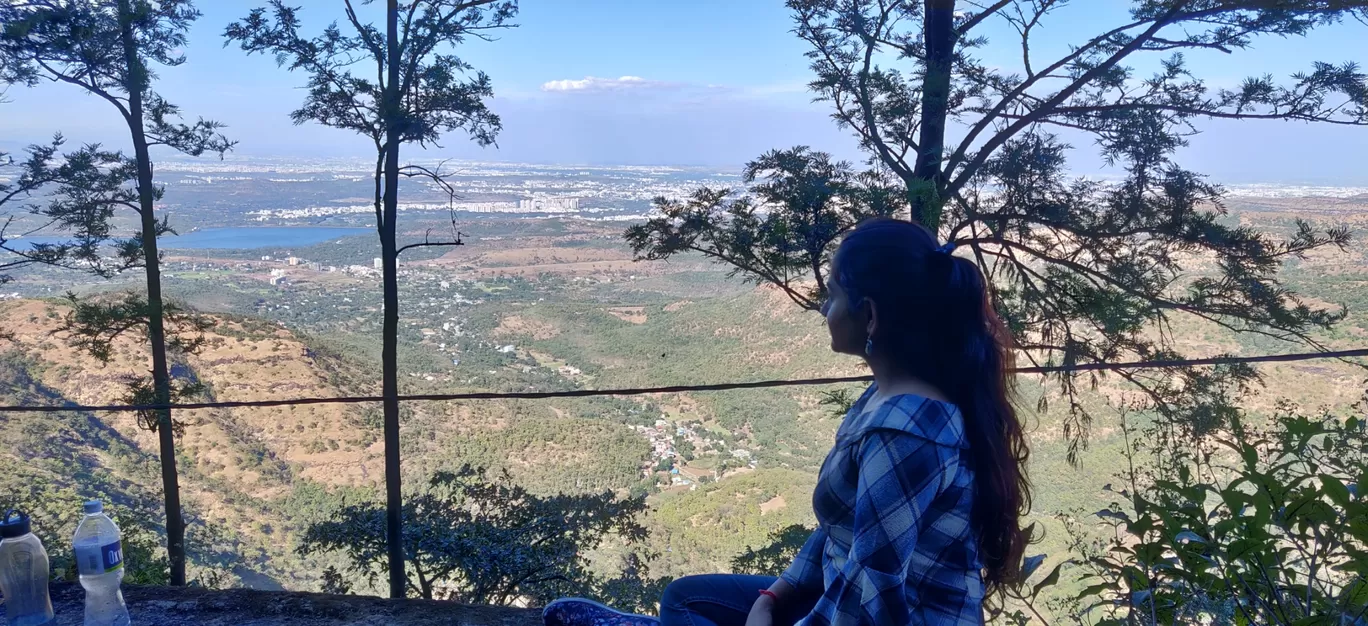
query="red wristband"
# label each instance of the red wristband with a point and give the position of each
(767, 592)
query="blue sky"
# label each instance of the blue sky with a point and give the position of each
(711, 82)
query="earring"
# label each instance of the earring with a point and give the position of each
(869, 346)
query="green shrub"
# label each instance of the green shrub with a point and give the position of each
(1242, 526)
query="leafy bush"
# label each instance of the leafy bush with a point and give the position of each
(478, 540)
(1245, 526)
(1242, 525)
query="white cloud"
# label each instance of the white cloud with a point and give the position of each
(594, 83)
(687, 91)
(776, 89)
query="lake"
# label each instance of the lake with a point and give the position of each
(243, 238)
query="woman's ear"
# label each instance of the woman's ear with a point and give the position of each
(872, 313)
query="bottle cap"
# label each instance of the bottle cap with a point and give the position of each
(15, 524)
(93, 507)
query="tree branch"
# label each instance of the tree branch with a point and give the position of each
(427, 243)
(986, 121)
(90, 87)
(978, 18)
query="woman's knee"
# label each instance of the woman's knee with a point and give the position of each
(678, 592)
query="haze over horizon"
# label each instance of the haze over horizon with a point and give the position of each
(710, 83)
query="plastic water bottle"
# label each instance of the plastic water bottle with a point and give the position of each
(23, 573)
(99, 562)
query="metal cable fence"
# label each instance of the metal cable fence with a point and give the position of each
(639, 391)
(393, 523)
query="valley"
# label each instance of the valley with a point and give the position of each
(528, 303)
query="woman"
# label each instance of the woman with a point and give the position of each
(918, 504)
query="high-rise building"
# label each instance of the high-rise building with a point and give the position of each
(379, 263)
(549, 204)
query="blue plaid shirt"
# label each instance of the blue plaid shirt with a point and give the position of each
(894, 543)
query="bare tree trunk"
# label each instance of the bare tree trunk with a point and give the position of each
(939, 32)
(156, 331)
(817, 274)
(394, 498)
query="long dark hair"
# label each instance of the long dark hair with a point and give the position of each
(936, 322)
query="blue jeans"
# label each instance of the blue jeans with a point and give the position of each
(723, 600)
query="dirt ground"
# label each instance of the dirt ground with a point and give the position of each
(171, 606)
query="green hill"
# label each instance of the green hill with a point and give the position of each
(523, 313)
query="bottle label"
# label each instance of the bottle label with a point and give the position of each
(95, 560)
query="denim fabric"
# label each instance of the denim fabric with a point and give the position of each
(723, 600)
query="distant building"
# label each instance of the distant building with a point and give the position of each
(379, 263)
(265, 257)
(317, 267)
(549, 204)
(277, 273)
(294, 260)
(278, 281)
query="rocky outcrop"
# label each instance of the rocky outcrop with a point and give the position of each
(178, 606)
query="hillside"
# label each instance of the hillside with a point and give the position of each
(539, 305)
(52, 462)
(253, 478)
(236, 465)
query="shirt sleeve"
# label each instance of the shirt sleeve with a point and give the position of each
(900, 476)
(805, 574)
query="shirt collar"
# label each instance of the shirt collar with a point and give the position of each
(937, 421)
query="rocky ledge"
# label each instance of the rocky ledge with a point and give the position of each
(177, 606)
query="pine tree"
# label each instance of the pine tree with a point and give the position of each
(107, 48)
(86, 182)
(417, 92)
(1083, 271)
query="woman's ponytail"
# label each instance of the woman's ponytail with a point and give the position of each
(938, 323)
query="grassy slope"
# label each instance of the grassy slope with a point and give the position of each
(236, 465)
(259, 475)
